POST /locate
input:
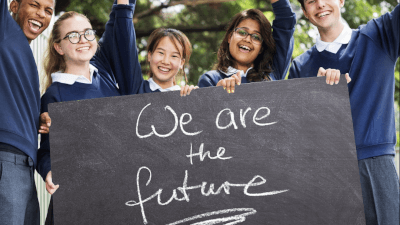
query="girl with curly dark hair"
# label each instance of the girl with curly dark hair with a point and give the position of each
(253, 50)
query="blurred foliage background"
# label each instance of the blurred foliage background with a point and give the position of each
(203, 21)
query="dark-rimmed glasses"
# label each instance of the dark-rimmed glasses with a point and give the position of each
(255, 37)
(75, 37)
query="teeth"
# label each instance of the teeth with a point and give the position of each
(83, 48)
(245, 47)
(323, 14)
(163, 69)
(37, 23)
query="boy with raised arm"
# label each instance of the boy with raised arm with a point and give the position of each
(369, 54)
(20, 108)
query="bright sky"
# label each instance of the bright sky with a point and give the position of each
(173, 9)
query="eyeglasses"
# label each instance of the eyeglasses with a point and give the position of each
(75, 37)
(256, 38)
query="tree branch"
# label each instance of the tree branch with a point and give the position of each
(186, 30)
(195, 29)
(174, 3)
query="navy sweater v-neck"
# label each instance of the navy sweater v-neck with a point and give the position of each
(19, 87)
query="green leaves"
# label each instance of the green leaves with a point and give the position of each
(204, 24)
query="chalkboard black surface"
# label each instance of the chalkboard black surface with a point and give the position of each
(278, 152)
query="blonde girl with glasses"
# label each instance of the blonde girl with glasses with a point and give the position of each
(78, 67)
(253, 50)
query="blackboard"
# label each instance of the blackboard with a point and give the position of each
(279, 152)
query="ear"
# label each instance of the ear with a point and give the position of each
(229, 38)
(57, 47)
(14, 5)
(341, 3)
(148, 56)
(304, 12)
(182, 63)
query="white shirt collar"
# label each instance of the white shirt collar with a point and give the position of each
(154, 86)
(67, 78)
(232, 71)
(333, 47)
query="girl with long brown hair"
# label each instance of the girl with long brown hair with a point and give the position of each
(253, 50)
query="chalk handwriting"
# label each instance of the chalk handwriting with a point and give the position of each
(184, 123)
(255, 118)
(180, 121)
(203, 189)
(202, 155)
(232, 122)
(235, 219)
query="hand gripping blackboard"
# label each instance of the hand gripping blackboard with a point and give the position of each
(279, 152)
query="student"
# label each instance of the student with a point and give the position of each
(251, 51)
(77, 68)
(168, 52)
(20, 108)
(369, 53)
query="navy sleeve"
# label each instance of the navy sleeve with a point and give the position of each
(283, 30)
(131, 72)
(387, 32)
(293, 72)
(118, 53)
(205, 81)
(5, 20)
(43, 155)
(3, 15)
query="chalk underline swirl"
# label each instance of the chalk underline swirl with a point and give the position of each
(235, 219)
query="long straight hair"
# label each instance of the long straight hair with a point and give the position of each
(263, 63)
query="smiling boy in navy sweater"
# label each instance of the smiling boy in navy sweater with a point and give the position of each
(369, 54)
(20, 107)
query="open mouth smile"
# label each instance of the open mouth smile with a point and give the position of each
(86, 48)
(163, 69)
(35, 25)
(244, 48)
(323, 14)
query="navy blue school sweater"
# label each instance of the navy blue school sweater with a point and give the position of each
(370, 58)
(19, 87)
(283, 28)
(115, 66)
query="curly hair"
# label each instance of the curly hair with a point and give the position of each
(263, 63)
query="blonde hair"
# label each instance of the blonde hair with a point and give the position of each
(53, 61)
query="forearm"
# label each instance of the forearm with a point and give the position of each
(118, 52)
(44, 165)
(283, 30)
(128, 71)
